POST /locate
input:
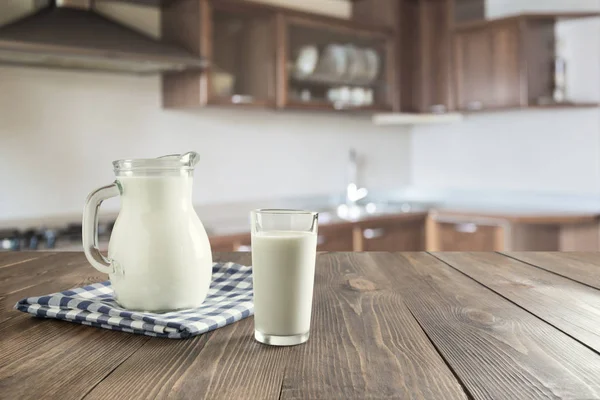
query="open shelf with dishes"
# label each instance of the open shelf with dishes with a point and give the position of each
(329, 66)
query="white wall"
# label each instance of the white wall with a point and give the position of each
(547, 150)
(59, 132)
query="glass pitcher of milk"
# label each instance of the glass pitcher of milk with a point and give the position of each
(159, 258)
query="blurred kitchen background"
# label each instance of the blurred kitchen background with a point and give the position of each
(410, 124)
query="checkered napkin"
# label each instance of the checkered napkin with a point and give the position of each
(229, 299)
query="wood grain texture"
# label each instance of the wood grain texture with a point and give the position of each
(8, 258)
(580, 267)
(223, 364)
(569, 306)
(66, 365)
(508, 90)
(364, 343)
(384, 326)
(497, 349)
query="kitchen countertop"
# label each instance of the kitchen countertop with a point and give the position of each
(385, 325)
(520, 216)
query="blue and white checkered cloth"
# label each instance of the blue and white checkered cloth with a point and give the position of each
(229, 300)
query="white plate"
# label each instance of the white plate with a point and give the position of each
(306, 61)
(373, 62)
(334, 62)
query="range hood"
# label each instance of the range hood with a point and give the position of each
(71, 35)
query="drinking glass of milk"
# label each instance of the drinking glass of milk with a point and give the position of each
(284, 249)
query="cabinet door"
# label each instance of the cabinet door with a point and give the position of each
(402, 236)
(334, 238)
(435, 48)
(506, 66)
(473, 69)
(467, 236)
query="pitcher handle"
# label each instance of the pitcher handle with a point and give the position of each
(90, 227)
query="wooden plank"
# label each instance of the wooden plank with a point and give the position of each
(39, 356)
(19, 276)
(9, 258)
(80, 275)
(569, 306)
(496, 349)
(227, 363)
(224, 364)
(580, 267)
(364, 342)
(65, 365)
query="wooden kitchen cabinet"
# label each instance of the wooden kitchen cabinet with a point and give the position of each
(460, 231)
(336, 237)
(463, 234)
(473, 68)
(239, 42)
(392, 234)
(434, 57)
(507, 63)
(423, 47)
(354, 67)
(488, 66)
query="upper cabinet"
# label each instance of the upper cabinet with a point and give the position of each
(488, 67)
(328, 65)
(423, 48)
(450, 57)
(509, 63)
(267, 56)
(239, 42)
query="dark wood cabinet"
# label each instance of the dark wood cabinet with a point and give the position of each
(434, 57)
(423, 38)
(473, 69)
(353, 67)
(488, 67)
(469, 236)
(336, 238)
(506, 65)
(393, 235)
(262, 55)
(238, 40)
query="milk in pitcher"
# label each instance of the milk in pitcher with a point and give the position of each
(160, 248)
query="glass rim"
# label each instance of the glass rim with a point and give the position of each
(284, 211)
(149, 163)
(181, 162)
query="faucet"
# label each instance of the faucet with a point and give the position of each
(353, 192)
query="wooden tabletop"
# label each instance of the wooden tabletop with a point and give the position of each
(385, 326)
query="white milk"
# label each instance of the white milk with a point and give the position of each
(160, 244)
(283, 270)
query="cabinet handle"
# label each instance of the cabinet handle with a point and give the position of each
(244, 247)
(241, 99)
(468, 227)
(438, 109)
(373, 233)
(321, 239)
(474, 105)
